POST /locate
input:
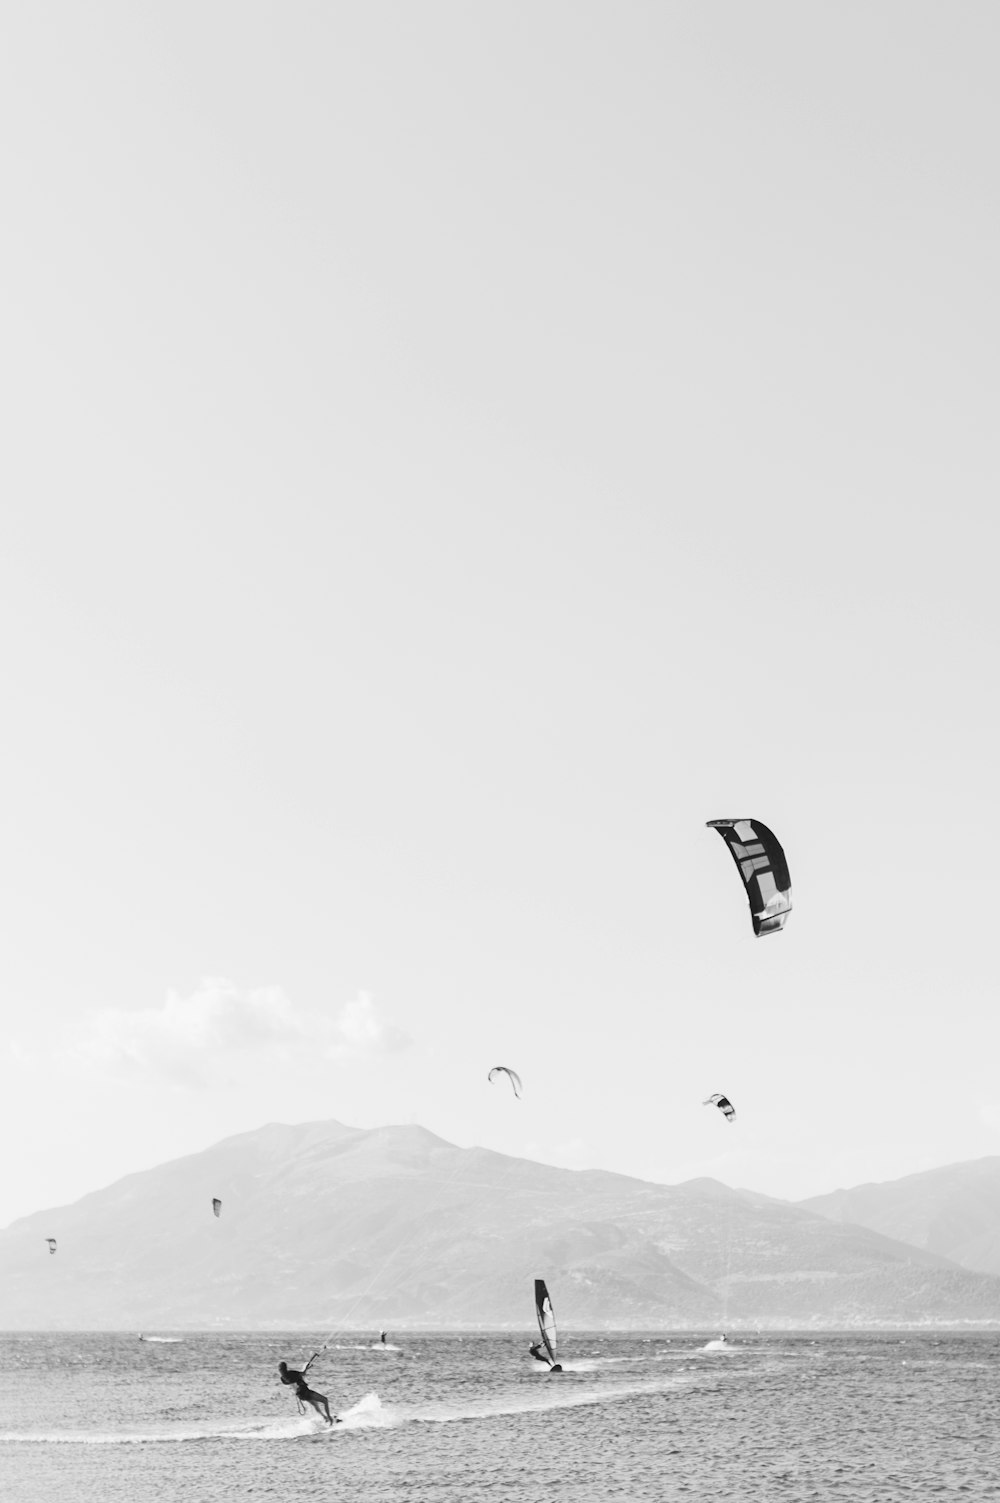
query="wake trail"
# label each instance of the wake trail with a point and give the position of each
(367, 1413)
(370, 1413)
(552, 1398)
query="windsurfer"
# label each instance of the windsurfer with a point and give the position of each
(546, 1328)
(536, 1352)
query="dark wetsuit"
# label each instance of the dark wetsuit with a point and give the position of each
(303, 1392)
(307, 1395)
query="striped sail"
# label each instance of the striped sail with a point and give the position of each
(546, 1318)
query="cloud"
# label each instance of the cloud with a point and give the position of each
(362, 1032)
(18, 1056)
(221, 1030)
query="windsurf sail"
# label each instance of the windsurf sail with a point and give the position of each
(546, 1318)
(216, 1205)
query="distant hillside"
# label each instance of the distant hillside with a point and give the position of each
(954, 1211)
(327, 1226)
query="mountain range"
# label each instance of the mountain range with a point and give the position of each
(954, 1211)
(330, 1227)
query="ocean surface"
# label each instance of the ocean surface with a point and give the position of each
(94, 1418)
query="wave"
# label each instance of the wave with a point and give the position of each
(552, 1396)
(365, 1414)
(594, 1364)
(368, 1413)
(364, 1346)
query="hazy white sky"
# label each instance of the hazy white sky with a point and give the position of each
(451, 451)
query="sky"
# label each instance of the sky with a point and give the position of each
(451, 452)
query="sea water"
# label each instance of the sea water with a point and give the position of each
(98, 1418)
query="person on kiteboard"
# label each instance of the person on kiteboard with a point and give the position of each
(303, 1392)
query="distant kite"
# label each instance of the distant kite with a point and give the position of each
(216, 1206)
(762, 865)
(515, 1079)
(724, 1104)
(52, 1244)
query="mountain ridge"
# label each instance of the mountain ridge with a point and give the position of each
(953, 1210)
(327, 1225)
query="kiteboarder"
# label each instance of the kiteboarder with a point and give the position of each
(381, 1337)
(303, 1392)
